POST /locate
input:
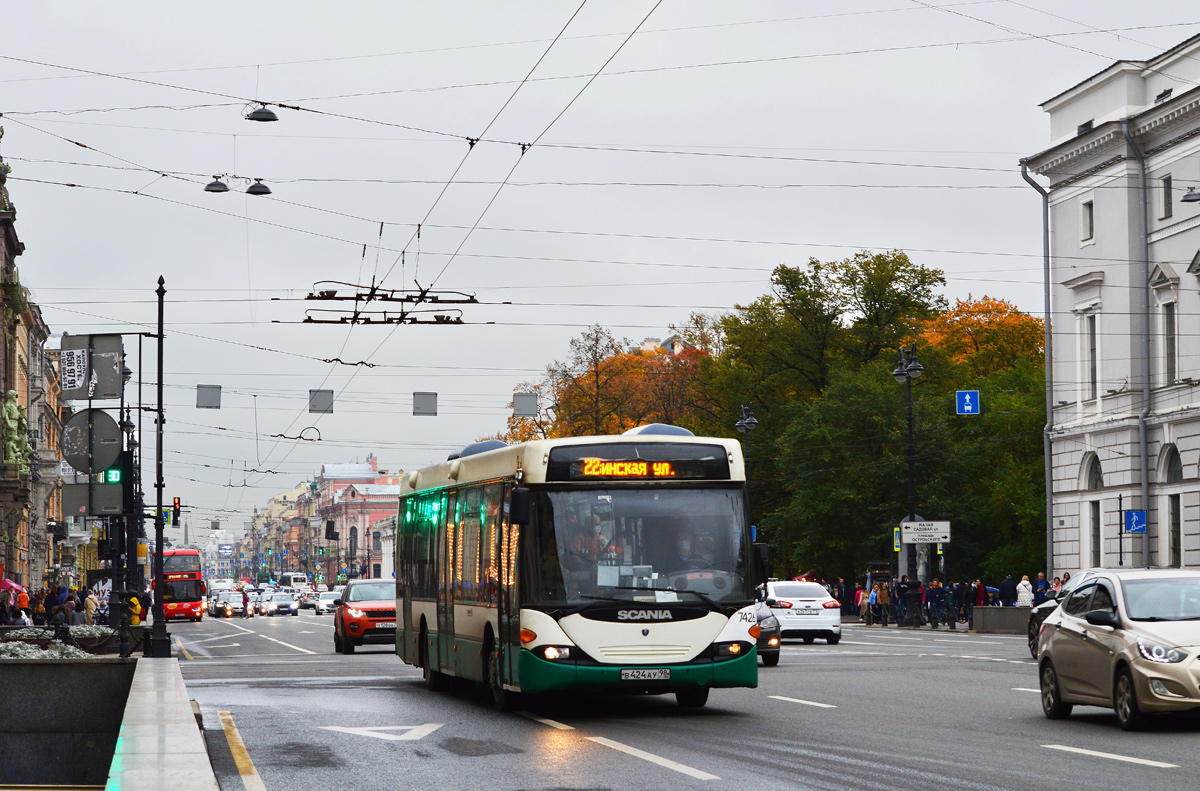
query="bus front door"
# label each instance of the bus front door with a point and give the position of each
(447, 543)
(509, 607)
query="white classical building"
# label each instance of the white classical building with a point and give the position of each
(1125, 251)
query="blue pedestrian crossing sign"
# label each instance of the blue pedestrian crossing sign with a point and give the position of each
(1135, 521)
(968, 402)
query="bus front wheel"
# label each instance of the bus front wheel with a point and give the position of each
(502, 699)
(692, 698)
(434, 681)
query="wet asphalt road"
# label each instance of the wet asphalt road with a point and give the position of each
(885, 709)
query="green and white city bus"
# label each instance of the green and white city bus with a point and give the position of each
(615, 561)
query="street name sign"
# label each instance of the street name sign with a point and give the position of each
(967, 402)
(925, 532)
(1135, 521)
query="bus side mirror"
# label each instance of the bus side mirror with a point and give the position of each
(762, 553)
(519, 510)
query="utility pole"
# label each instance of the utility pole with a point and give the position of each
(160, 641)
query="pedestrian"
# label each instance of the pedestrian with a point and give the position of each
(89, 607)
(135, 611)
(858, 592)
(39, 611)
(23, 601)
(1056, 586)
(936, 595)
(902, 598)
(1008, 592)
(981, 594)
(864, 607)
(885, 604)
(951, 608)
(245, 604)
(1066, 578)
(1024, 592)
(1040, 588)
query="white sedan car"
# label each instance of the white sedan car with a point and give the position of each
(325, 602)
(805, 610)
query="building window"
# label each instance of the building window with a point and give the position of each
(353, 540)
(1093, 382)
(1170, 357)
(1095, 514)
(1087, 221)
(378, 571)
(1173, 469)
(1095, 475)
(1166, 202)
(377, 541)
(1174, 533)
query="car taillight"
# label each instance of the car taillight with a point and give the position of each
(787, 605)
(832, 604)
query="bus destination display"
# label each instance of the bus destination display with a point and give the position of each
(637, 461)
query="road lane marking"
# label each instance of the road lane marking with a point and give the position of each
(183, 650)
(544, 721)
(652, 758)
(288, 645)
(805, 702)
(965, 640)
(227, 645)
(1111, 756)
(208, 639)
(235, 626)
(411, 732)
(241, 758)
(1026, 689)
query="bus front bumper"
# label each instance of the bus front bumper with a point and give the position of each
(540, 675)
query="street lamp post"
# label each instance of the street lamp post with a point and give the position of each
(908, 369)
(746, 424)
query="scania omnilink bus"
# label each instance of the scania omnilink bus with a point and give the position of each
(612, 561)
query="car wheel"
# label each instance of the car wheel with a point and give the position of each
(347, 646)
(1032, 634)
(771, 659)
(337, 642)
(296, 613)
(1052, 702)
(809, 640)
(1129, 714)
(692, 697)
(833, 640)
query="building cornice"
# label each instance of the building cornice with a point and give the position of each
(1086, 279)
(1108, 136)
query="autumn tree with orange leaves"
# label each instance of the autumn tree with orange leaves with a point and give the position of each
(985, 334)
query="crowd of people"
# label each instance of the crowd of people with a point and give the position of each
(78, 606)
(886, 601)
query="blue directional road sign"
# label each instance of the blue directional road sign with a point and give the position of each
(1135, 521)
(968, 402)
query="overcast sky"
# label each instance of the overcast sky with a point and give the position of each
(721, 140)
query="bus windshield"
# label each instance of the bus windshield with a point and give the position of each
(184, 591)
(637, 545)
(181, 563)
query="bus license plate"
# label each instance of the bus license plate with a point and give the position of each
(386, 625)
(646, 674)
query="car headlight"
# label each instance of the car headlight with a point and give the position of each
(1157, 652)
(770, 622)
(353, 613)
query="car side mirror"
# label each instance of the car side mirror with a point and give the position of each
(1103, 618)
(771, 602)
(337, 602)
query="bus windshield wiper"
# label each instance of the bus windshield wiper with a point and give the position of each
(713, 605)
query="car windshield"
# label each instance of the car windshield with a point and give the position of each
(1172, 599)
(799, 590)
(330, 596)
(371, 591)
(281, 598)
(636, 545)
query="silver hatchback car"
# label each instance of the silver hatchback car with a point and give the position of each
(1125, 640)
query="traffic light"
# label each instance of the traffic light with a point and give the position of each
(113, 475)
(269, 551)
(175, 512)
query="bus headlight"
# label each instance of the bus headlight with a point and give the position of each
(730, 650)
(556, 652)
